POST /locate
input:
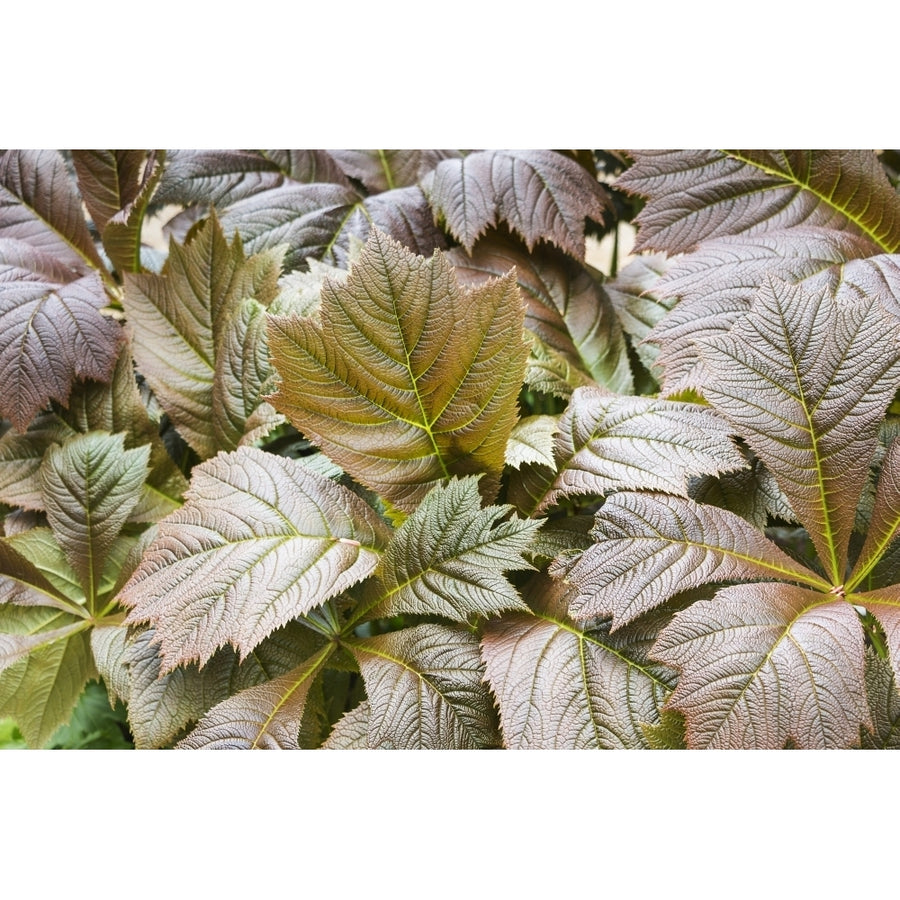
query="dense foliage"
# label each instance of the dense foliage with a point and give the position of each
(371, 456)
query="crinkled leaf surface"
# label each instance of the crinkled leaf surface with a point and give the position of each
(694, 195)
(308, 166)
(22, 255)
(532, 441)
(200, 309)
(392, 385)
(565, 305)
(539, 194)
(426, 691)
(559, 686)
(264, 717)
(762, 665)
(352, 731)
(607, 443)
(884, 604)
(20, 460)
(39, 205)
(90, 485)
(260, 540)
(50, 334)
(650, 547)
(40, 690)
(384, 170)
(806, 381)
(550, 372)
(449, 557)
(884, 705)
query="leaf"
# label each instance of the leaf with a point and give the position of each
(22, 255)
(389, 386)
(449, 557)
(549, 372)
(90, 485)
(41, 690)
(717, 283)
(265, 717)
(50, 334)
(541, 195)
(634, 296)
(94, 725)
(161, 704)
(39, 206)
(109, 181)
(20, 460)
(531, 441)
(194, 339)
(384, 170)
(24, 583)
(562, 687)
(425, 690)
(695, 195)
(806, 382)
(565, 305)
(109, 643)
(352, 731)
(309, 166)
(216, 177)
(608, 443)
(884, 705)
(762, 665)
(650, 547)
(259, 541)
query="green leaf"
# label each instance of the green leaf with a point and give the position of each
(352, 731)
(559, 686)
(764, 664)
(531, 441)
(735, 191)
(390, 387)
(608, 443)
(21, 456)
(806, 381)
(426, 691)
(265, 717)
(90, 486)
(565, 305)
(650, 547)
(41, 690)
(541, 195)
(188, 317)
(95, 724)
(549, 372)
(449, 556)
(50, 334)
(260, 540)
(28, 584)
(884, 705)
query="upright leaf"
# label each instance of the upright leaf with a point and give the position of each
(449, 556)
(426, 691)
(50, 334)
(695, 195)
(541, 195)
(391, 387)
(260, 540)
(90, 485)
(806, 381)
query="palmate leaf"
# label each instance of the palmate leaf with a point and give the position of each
(391, 387)
(449, 556)
(652, 546)
(766, 664)
(384, 170)
(265, 717)
(694, 195)
(198, 338)
(39, 206)
(806, 381)
(260, 540)
(309, 166)
(41, 689)
(50, 334)
(559, 686)
(426, 691)
(90, 484)
(565, 305)
(539, 194)
(608, 443)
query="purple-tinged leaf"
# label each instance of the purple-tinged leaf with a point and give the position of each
(50, 334)
(260, 540)
(765, 664)
(352, 731)
(884, 705)
(384, 170)
(426, 690)
(695, 195)
(39, 206)
(22, 255)
(650, 547)
(539, 194)
(20, 460)
(806, 381)
(309, 166)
